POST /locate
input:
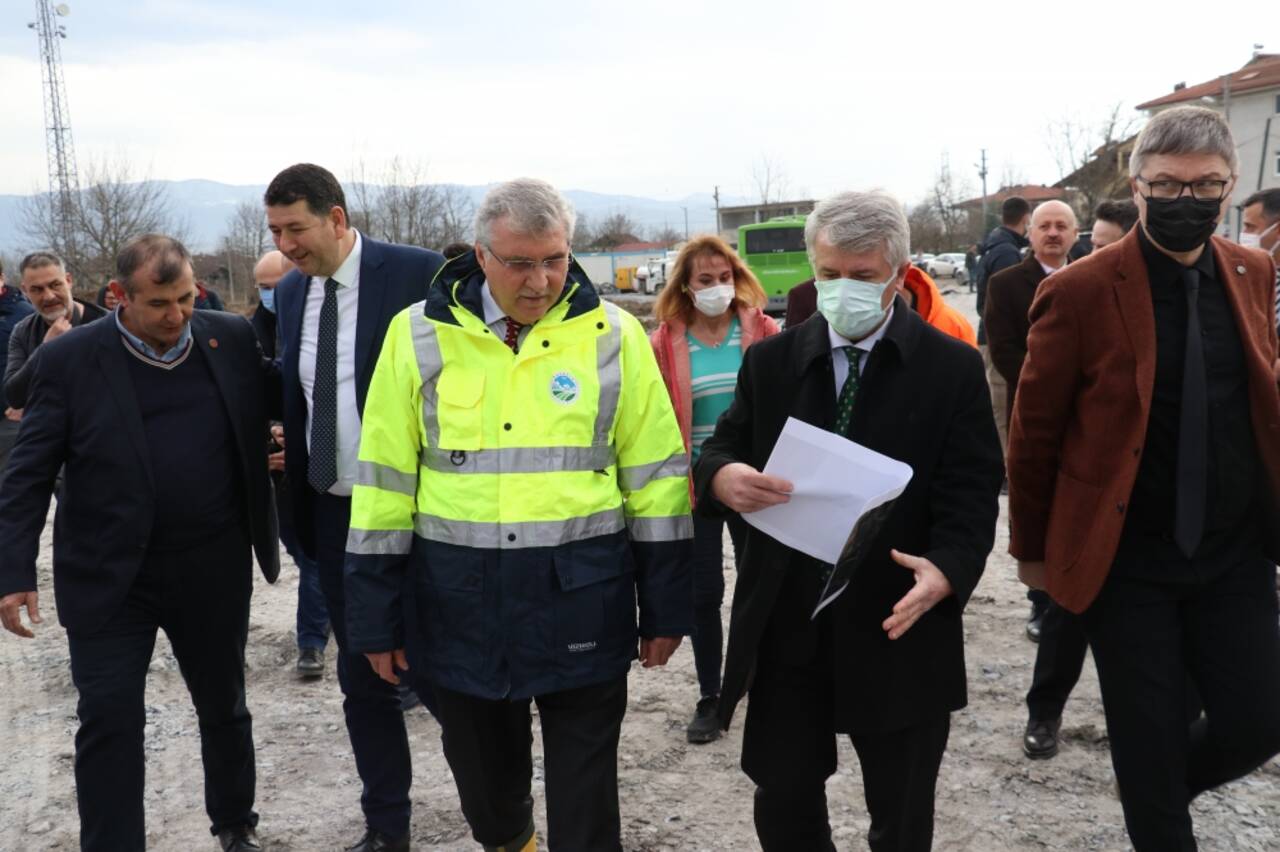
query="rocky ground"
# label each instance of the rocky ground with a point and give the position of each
(674, 796)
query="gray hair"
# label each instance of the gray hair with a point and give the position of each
(531, 206)
(861, 221)
(39, 260)
(1185, 130)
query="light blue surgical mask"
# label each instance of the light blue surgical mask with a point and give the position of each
(853, 308)
(267, 296)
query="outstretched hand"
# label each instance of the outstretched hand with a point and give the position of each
(931, 586)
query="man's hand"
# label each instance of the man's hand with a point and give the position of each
(11, 607)
(386, 662)
(14, 414)
(744, 489)
(275, 461)
(656, 652)
(931, 586)
(1032, 574)
(60, 327)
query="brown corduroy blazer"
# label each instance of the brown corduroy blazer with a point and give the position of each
(1084, 396)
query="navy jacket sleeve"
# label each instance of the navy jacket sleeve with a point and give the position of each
(32, 470)
(17, 370)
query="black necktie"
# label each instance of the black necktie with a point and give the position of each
(322, 464)
(1193, 430)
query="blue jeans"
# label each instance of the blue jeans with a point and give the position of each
(313, 614)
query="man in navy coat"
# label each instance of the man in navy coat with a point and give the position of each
(333, 312)
(156, 415)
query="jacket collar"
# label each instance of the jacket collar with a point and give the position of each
(901, 336)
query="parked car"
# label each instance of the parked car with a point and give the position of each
(948, 265)
(922, 260)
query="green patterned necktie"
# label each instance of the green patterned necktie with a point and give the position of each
(849, 392)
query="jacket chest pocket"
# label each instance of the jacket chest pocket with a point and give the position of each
(460, 409)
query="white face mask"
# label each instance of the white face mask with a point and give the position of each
(853, 308)
(1255, 240)
(713, 301)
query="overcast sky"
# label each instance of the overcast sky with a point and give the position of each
(654, 98)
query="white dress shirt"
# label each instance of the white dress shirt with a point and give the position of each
(496, 318)
(840, 359)
(348, 278)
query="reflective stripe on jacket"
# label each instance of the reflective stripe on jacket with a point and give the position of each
(536, 499)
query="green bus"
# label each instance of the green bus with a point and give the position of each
(774, 250)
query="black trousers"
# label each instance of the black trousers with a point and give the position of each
(200, 598)
(371, 706)
(487, 744)
(789, 751)
(1059, 660)
(1148, 638)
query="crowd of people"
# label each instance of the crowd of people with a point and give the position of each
(500, 492)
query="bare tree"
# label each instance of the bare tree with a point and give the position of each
(666, 235)
(246, 239)
(114, 206)
(398, 205)
(615, 229)
(584, 235)
(1090, 157)
(926, 228)
(770, 179)
(942, 198)
(1011, 174)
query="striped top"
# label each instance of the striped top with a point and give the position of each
(713, 373)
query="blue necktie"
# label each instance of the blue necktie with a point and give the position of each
(322, 464)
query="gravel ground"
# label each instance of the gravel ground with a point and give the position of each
(674, 796)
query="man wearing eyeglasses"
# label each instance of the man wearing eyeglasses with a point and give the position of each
(332, 312)
(521, 463)
(1144, 478)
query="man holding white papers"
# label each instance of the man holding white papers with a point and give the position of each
(884, 662)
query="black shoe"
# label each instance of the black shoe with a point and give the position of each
(310, 663)
(1040, 742)
(1034, 625)
(376, 841)
(239, 839)
(408, 698)
(704, 727)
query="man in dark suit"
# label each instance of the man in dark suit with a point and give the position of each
(312, 618)
(158, 416)
(1144, 478)
(884, 663)
(1008, 298)
(333, 311)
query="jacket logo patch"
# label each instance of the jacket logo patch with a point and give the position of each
(579, 647)
(564, 388)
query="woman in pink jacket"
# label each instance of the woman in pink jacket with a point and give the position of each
(709, 313)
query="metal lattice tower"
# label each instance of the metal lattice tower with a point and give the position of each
(64, 182)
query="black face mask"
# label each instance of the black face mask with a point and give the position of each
(1182, 224)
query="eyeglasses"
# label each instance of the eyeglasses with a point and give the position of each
(1201, 190)
(559, 263)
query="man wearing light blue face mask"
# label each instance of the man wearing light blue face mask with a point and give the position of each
(884, 662)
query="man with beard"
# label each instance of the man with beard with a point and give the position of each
(47, 286)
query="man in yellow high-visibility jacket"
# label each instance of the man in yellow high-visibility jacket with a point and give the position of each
(520, 457)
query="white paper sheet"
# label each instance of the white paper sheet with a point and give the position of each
(836, 481)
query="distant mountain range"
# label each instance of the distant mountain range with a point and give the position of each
(207, 205)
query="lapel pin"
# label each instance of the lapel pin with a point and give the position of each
(213, 343)
(1240, 269)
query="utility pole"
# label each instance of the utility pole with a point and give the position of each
(64, 183)
(982, 173)
(686, 223)
(716, 196)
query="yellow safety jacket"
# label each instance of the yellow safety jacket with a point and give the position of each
(535, 499)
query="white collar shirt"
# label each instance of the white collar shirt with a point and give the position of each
(496, 319)
(840, 359)
(348, 278)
